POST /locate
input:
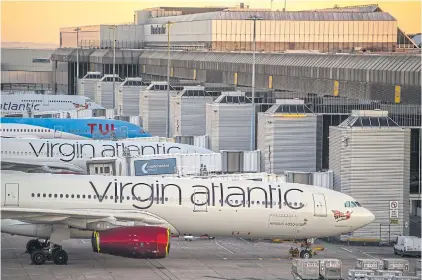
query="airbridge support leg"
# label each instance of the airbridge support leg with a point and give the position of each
(52, 249)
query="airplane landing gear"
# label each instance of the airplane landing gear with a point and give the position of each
(45, 251)
(32, 245)
(304, 252)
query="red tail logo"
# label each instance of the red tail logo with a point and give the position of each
(100, 127)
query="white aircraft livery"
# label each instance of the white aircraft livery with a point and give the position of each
(135, 217)
(21, 103)
(71, 155)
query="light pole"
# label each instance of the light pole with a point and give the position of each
(114, 66)
(169, 23)
(77, 29)
(254, 18)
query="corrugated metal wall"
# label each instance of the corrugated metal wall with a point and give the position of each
(230, 127)
(104, 93)
(87, 87)
(363, 160)
(128, 100)
(189, 115)
(291, 143)
(154, 112)
(359, 76)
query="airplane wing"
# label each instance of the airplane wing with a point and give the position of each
(48, 167)
(81, 216)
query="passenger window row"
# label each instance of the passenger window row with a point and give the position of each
(42, 130)
(78, 196)
(351, 204)
(25, 130)
(30, 153)
(53, 101)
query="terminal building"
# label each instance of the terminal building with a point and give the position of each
(228, 29)
(25, 69)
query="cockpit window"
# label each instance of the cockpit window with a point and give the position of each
(87, 99)
(351, 204)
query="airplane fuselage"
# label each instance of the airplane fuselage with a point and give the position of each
(76, 129)
(193, 206)
(77, 152)
(20, 103)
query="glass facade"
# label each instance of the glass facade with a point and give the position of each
(325, 36)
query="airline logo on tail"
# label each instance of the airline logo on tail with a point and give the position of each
(340, 216)
(81, 106)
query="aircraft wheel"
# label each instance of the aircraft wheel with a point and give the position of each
(38, 257)
(60, 257)
(305, 254)
(33, 245)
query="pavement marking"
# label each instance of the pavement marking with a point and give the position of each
(244, 240)
(83, 241)
(221, 246)
(368, 255)
(348, 250)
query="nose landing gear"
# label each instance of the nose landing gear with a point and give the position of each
(304, 252)
(41, 252)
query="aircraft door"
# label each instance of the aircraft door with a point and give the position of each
(200, 201)
(124, 131)
(11, 194)
(58, 131)
(320, 207)
(46, 100)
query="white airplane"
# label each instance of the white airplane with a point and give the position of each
(70, 156)
(135, 217)
(21, 103)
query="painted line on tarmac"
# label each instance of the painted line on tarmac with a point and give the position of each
(221, 246)
(244, 240)
(83, 241)
(368, 255)
(348, 250)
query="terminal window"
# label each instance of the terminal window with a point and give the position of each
(41, 60)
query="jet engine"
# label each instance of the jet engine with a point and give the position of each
(140, 242)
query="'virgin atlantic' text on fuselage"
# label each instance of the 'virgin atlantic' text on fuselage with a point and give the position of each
(67, 152)
(146, 195)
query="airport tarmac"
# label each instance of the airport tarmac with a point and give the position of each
(225, 259)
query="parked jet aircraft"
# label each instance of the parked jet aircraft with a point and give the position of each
(70, 128)
(135, 217)
(21, 103)
(59, 155)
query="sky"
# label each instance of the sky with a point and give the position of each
(40, 21)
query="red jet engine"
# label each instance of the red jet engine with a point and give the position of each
(139, 242)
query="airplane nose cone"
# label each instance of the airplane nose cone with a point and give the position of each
(369, 217)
